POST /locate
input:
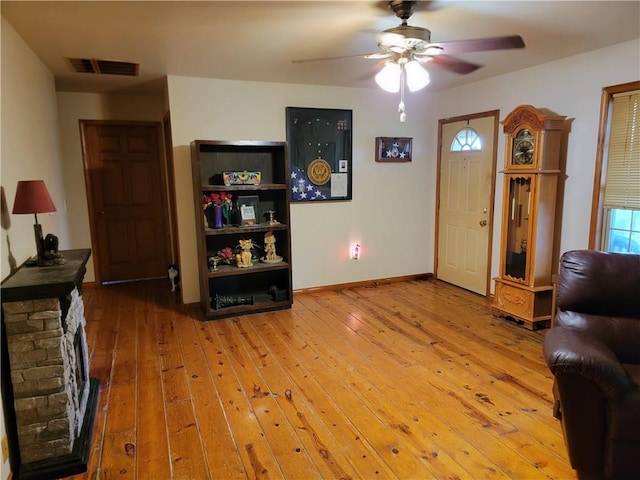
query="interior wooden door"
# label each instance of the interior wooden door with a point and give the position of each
(465, 201)
(127, 200)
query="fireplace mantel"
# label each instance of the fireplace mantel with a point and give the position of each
(31, 283)
(50, 398)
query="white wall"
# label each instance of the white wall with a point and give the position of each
(40, 139)
(30, 148)
(29, 151)
(392, 211)
(571, 87)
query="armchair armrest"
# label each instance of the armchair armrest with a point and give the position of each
(572, 351)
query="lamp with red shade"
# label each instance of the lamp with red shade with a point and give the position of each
(32, 196)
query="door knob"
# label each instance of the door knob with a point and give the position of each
(483, 223)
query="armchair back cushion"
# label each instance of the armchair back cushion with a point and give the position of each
(599, 292)
(600, 283)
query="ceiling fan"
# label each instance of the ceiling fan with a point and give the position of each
(412, 42)
(405, 48)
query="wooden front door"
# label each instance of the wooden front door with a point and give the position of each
(465, 200)
(127, 200)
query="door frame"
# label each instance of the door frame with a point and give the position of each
(489, 113)
(170, 185)
(95, 249)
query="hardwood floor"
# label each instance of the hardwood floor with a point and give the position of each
(408, 380)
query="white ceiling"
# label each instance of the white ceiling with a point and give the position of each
(258, 40)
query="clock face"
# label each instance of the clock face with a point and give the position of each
(523, 148)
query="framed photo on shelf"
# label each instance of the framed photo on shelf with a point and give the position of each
(320, 151)
(247, 215)
(393, 149)
(248, 206)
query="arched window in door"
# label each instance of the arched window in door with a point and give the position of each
(466, 139)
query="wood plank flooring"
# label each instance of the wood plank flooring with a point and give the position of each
(407, 380)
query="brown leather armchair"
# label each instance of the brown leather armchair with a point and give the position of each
(593, 351)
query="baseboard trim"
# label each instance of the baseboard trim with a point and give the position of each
(365, 283)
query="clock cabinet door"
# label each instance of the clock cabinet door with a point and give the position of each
(516, 231)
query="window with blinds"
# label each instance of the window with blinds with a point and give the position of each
(621, 201)
(623, 162)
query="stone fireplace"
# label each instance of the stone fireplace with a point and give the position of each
(53, 396)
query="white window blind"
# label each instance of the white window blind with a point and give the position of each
(622, 189)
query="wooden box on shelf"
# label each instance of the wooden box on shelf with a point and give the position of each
(246, 281)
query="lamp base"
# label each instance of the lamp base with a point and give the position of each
(37, 230)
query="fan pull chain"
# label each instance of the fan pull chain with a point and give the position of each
(403, 115)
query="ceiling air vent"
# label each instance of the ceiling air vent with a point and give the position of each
(104, 67)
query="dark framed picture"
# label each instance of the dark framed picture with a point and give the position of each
(393, 149)
(320, 151)
(248, 206)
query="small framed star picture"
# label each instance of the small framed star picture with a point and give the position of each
(393, 149)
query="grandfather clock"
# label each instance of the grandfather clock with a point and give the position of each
(532, 159)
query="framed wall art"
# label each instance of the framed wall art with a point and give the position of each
(393, 149)
(320, 151)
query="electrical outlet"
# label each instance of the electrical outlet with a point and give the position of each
(5, 449)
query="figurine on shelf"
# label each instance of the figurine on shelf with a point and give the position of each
(270, 249)
(213, 263)
(243, 259)
(51, 254)
(272, 219)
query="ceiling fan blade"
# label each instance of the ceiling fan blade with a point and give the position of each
(378, 56)
(453, 64)
(481, 44)
(322, 59)
(368, 76)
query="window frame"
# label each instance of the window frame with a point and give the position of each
(598, 213)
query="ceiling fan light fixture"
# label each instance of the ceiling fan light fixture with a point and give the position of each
(417, 77)
(389, 77)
